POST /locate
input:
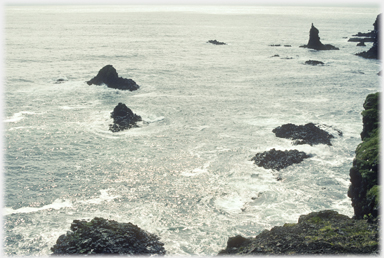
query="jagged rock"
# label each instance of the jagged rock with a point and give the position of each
(374, 51)
(108, 76)
(215, 42)
(361, 44)
(304, 134)
(123, 118)
(364, 174)
(277, 159)
(315, 43)
(314, 62)
(101, 236)
(323, 232)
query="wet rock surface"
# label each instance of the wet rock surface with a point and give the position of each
(304, 134)
(324, 232)
(277, 159)
(215, 42)
(315, 43)
(101, 236)
(108, 76)
(123, 118)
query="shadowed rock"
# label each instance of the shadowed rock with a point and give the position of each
(315, 43)
(108, 76)
(374, 51)
(123, 118)
(276, 159)
(314, 62)
(215, 42)
(107, 237)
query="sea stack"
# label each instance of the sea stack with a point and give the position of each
(108, 75)
(315, 43)
(123, 118)
(374, 51)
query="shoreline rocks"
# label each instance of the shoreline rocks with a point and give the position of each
(123, 118)
(102, 236)
(277, 159)
(304, 134)
(108, 76)
(315, 43)
(323, 232)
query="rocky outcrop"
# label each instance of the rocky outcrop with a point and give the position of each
(314, 41)
(374, 51)
(108, 76)
(123, 118)
(364, 174)
(215, 42)
(101, 236)
(304, 134)
(324, 232)
(276, 159)
(314, 62)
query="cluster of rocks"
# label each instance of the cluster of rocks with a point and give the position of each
(277, 159)
(215, 42)
(324, 232)
(123, 118)
(373, 36)
(364, 174)
(108, 76)
(304, 134)
(101, 236)
(315, 43)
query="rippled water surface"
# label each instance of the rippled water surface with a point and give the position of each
(185, 173)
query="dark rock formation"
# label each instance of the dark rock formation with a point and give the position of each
(215, 42)
(276, 159)
(314, 62)
(364, 189)
(101, 236)
(324, 232)
(361, 44)
(123, 118)
(275, 45)
(108, 75)
(360, 40)
(304, 134)
(315, 43)
(374, 51)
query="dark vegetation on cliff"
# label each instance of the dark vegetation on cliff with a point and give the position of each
(364, 188)
(101, 236)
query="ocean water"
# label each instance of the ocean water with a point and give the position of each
(185, 173)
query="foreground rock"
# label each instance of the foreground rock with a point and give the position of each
(304, 134)
(123, 118)
(374, 51)
(315, 43)
(108, 76)
(324, 232)
(364, 188)
(101, 236)
(276, 159)
(215, 42)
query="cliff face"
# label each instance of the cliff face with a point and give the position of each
(364, 189)
(374, 51)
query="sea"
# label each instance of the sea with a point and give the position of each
(185, 173)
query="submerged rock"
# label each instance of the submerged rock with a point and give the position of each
(304, 134)
(315, 43)
(123, 118)
(374, 51)
(314, 62)
(101, 236)
(277, 159)
(215, 42)
(323, 232)
(108, 76)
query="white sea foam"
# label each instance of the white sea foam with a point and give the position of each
(104, 197)
(57, 204)
(18, 116)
